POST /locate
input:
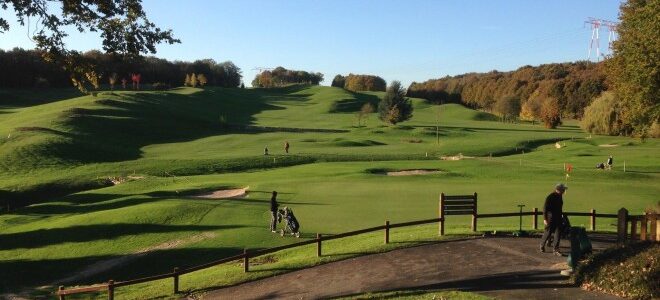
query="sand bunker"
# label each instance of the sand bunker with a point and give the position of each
(412, 172)
(456, 157)
(608, 145)
(225, 194)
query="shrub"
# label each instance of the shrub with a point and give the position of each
(632, 271)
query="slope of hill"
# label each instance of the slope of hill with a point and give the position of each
(142, 157)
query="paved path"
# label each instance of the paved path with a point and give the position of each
(501, 267)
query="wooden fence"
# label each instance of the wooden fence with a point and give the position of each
(646, 233)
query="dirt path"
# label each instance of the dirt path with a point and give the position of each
(106, 265)
(501, 267)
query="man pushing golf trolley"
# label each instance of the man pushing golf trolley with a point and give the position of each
(285, 214)
(291, 224)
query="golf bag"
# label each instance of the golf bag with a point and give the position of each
(564, 229)
(291, 224)
(580, 245)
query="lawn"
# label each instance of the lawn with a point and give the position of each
(170, 146)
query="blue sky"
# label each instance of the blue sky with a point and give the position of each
(398, 40)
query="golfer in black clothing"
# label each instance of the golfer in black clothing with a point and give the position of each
(273, 211)
(552, 217)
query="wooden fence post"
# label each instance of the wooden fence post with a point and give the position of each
(535, 220)
(622, 226)
(111, 289)
(593, 219)
(61, 288)
(246, 261)
(633, 227)
(643, 230)
(175, 274)
(319, 237)
(442, 214)
(474, 214)
(387, 232)
(653, 217)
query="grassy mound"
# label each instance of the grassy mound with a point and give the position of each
(632, 271)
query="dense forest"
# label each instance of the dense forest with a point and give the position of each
(356, 83)
(26, 68)
(281, 77)
(571, 86)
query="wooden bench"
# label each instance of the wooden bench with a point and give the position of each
(457, 205)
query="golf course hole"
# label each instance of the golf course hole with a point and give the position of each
(224, 194)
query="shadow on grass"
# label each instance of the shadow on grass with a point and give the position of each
(17, 274)
(87, 233)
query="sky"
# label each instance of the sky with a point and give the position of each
(405, 40)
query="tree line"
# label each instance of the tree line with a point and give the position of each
(26, 68)
(569, 86)
(357, 83)
(280, 77)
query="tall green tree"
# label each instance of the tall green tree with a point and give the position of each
(395, 107)
(123, 24)
(635, 66)
(338, 81)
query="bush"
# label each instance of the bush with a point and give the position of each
(632, 271)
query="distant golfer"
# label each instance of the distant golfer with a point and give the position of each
(552, 217)
(273, 211)
(266, 150)
(610, 161)
(286, 146)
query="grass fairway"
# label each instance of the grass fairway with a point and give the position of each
(166, 147)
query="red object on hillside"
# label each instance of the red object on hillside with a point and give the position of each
(569, 168)
(136, 80)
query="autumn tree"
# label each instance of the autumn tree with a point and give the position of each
(281, 77)
(531, 109)
(635, 66)
(193, 80)
(602, 116)
(112, 80)
(186, 82)
(364, 83)
(125, 29)
(364, 112)
(508, 107)
(550, 113)
(201, 79)
(395, 107)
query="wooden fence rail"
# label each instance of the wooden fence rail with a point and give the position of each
(647, 232)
